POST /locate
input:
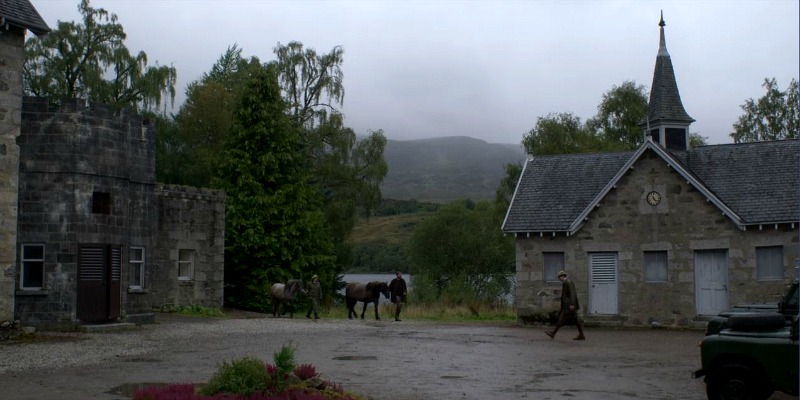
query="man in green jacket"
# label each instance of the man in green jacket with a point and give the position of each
(569, 307)
(314, 293)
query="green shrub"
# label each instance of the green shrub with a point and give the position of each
(243, 376)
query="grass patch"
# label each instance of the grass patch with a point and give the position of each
(474, 312)
(193, 310)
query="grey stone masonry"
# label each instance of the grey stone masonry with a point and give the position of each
(191, 220)
(67, 155)
(11, 58)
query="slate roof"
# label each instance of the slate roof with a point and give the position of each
(752, 183)
(21, 13)
(665, 100)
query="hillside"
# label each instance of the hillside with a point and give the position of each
(446, 168)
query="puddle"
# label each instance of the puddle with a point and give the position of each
(547, 374)
(450, 377)
(128, 389)
(355, 358)
(143, 359)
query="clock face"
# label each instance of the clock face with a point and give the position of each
(653, 198)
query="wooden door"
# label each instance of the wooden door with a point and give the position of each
(99, 273)
(711, 281)
(603, 284)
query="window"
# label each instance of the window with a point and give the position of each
(32, 266)
(185, 265)
(136, 263)
(769, 263)
(101, 203)
(553, 262)
(655, 266)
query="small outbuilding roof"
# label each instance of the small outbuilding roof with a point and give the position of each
(21, 13)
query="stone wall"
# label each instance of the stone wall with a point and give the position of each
(11, 59)
(190, 219)
(66, 155)
(681, 224)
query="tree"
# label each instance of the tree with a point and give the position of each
(507, 187)
(561, 133)
(695, 140)
(274, 229)
(619, 114)
(774, 116)
(312, 84)
(461, 254)
(90, 61)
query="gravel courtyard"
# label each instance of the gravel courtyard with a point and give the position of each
(380, 359)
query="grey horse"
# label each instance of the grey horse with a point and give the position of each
(285, 295)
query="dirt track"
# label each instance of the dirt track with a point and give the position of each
(382, 359)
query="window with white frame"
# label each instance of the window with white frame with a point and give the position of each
(136, 264)
(185, 264)
(553, 262)
(769, 263)
(655, 266)
(32, 267)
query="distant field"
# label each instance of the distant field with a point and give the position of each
(391, 230)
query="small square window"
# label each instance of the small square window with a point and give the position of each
(185, 265)
(136, 263)
(32, 267)
(655, 266)
(101, 203)
(553, 262)
(769, 263)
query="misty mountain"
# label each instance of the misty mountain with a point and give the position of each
(446, 168)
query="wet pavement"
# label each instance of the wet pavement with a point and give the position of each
(379, 359)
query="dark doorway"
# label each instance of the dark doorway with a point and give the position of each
(99, 272)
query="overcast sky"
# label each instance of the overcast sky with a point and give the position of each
(485, 69)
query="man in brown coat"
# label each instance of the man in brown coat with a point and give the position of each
(569, 307)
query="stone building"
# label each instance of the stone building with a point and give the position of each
(666, 234)
(97, 239)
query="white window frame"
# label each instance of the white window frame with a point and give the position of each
(656, 266)
(30, 262)
(185, 266)
(136, 266)
(554, 261)
(769, 263)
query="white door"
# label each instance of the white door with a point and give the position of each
(711, 281)
(603, 283)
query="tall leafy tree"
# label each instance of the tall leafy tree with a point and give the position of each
(459, 254)
(774, 116)
(619, 114)
(89, 60)
(560, 133)
(312, 84)
(508, 185)
(347, 171)
(274, 227)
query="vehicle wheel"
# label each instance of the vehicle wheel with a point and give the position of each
(736, 382)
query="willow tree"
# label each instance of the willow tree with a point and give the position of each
(89, 60)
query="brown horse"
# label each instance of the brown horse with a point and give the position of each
(285, 295)
(366, 293)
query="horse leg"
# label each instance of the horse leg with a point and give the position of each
(364, 310)
(377, 318)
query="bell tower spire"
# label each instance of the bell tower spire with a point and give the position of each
(667, 123)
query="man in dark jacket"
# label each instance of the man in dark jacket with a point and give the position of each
(399, 291)
(314, 293)
(569, 307)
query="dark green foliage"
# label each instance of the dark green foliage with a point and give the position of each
(774, 116)
(243, 376)
(460, 253)
(396, 207)
(275, 230)
(378, 258)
